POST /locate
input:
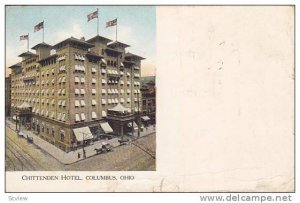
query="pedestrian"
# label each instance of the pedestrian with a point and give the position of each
(78, 155)
(84, 154)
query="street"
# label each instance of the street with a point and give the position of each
(22, 156)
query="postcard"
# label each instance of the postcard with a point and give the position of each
(149, 98)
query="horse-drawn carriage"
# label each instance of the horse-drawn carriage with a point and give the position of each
(106, 147)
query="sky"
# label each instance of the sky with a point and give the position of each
(136, 27)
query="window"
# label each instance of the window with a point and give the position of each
(82, 103)
(93, 91)
(77, 103)
(76, 79)
(63, 103)
(63, 118)
(94, 115)
(62, 136)
(59, 116)
(77, 117)
(82, 116)
(94, 102)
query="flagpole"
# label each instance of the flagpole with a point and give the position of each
(117, 30)
(43, 30)
(97, 21)
(28, 43)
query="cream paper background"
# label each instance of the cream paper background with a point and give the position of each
(225, 105)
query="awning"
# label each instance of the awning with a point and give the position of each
(119, 108)
(106, 127)
(145, 118)
(82, 133)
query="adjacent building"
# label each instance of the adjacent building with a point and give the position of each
(7, 95)
(86, 85)
(148, 91)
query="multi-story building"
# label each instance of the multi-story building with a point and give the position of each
(71, 92)
(7, 95)
(148, 92)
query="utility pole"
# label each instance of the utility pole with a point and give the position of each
(83, 151)
(139, 117)
(16, 123)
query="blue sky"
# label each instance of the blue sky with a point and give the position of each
(136, 27)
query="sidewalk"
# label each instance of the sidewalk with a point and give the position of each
(72, 156)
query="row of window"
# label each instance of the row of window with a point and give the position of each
(63, 102)
(62, 116)
(62, 80)
(78, 68)
(62, 92)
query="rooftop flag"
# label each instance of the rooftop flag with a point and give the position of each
(24, 37)
(39, 26)
(93, 15)
(111, 23)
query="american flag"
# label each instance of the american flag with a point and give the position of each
(39, 26)
(111, 23)
(24, 37)
(93, 15)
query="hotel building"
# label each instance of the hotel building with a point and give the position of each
(68, 91)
